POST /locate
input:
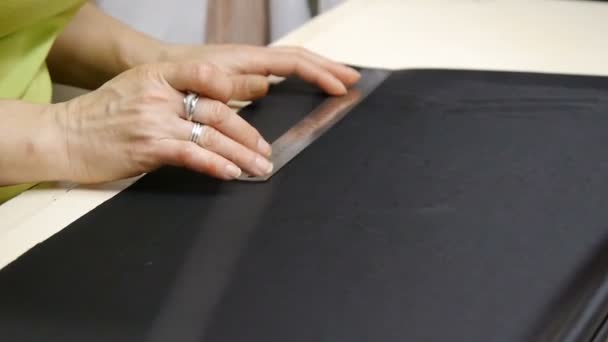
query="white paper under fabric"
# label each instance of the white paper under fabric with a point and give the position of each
(177, 21)
(286, 15)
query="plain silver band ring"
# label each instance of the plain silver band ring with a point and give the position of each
(190, 102)
(197, 129)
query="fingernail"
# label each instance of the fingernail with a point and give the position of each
(355, 74)
(264, 166)
(257, 86)
(342, 88)
(233, 171)
(264, 147)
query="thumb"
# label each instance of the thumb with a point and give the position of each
(249, 87)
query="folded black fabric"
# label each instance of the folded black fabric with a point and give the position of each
(447, 206)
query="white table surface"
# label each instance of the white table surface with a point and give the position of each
(552, 36)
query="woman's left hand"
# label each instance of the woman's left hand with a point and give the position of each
(248, 66)
(96, 56)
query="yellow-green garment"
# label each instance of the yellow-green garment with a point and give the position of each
(27, 31)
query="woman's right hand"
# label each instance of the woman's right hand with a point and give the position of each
(136, 123)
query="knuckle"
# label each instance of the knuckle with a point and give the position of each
(299, 65)
(153, 96)
(216, 114)
(147, 124)
(208, 164)
(185, 154)
(213, 166)
(148, 127)
(209, 137)
(251, 160)
(296, 50)
(144, 118)
(146, 72)
(202, 71)
(251, 132)
(300, 50)
(145, 108)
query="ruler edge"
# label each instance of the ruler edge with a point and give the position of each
(370, 87)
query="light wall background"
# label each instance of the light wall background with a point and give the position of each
(184, 21)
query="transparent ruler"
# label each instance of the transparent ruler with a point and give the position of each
(319, 121)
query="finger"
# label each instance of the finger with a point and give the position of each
(282, 63)
(202, 78)
(347, 75)
(246, 159)
(249, 87)
(189, 155)
(223, 118)
(214, 141)
(218, 115)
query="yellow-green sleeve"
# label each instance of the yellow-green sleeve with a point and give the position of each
(28, 29)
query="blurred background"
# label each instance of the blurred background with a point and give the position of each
(256, 22)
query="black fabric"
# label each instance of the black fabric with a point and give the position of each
(448, 206)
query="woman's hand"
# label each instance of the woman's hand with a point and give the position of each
(248, 65)
(136, 123)
(94, 56)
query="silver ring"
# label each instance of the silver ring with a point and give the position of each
(197, 129)
(190, 102)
